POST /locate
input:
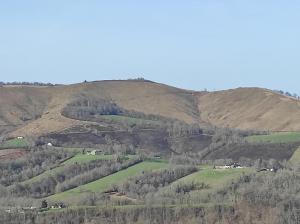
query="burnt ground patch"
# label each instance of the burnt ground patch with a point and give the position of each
(151, 140)
(190, 143)
(277, 151)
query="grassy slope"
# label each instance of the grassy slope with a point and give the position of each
(105, 183)
(214, 178)
(296, 157)
(80, 158)
(280, 137)
(76, 159)
(14, 143)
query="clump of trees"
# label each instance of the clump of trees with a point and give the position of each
(88, 108)
(33, 163)
(151, 182)
(139, 79)
(286, 93)
(279, 191)
(71, 176)
(27, 84)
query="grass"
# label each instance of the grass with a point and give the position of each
(214, 178)
(277, 137)
(107, 182)
(84, 158)
(129, 120)
(296, 157)
(14, 143)
(79, 158)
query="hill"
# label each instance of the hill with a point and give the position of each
(135, 144)
(250, 108)
(35, 111)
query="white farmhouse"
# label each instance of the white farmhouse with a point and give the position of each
(92, 153)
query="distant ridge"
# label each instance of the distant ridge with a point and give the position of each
(36, 110)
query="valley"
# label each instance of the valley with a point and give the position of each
(143, 150)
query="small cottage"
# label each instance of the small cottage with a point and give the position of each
(58, 205)
(91, 152)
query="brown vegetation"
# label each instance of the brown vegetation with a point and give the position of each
(9, 154)
(250, 108)
(36, 110)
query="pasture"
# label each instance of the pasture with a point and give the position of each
(79, 158)
(215, 179)
(107, 182)
(84, 158)
(296, 157)
(13, 143)
(276, 137)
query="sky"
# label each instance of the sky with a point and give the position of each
(192, 44)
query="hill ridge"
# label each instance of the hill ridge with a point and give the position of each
(36, 110)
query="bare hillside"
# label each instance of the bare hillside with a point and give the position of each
(250, 108)
(145, 97)
(36, 111)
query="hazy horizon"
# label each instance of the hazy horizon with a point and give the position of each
(192, 45)
(135, 78)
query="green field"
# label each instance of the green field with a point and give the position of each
(79, 158)
(128, 120)
(83, 158)
(278, 137)
(296, 157)
(105, 183)
(214, 178)
(13, 143)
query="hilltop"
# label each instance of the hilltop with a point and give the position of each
(37, 110)
(250, 108)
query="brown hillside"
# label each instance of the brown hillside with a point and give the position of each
(250, 108)
(36, 111)
(146, 97)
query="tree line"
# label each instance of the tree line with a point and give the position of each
(71, 176)
(36, 161)
(151, 182)
(27, 84)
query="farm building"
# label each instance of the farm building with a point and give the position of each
(267, 169)
(91, 152)
(58, 205)
(230, 166)
(94, 152)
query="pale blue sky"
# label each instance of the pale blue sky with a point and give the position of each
(192, 44)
